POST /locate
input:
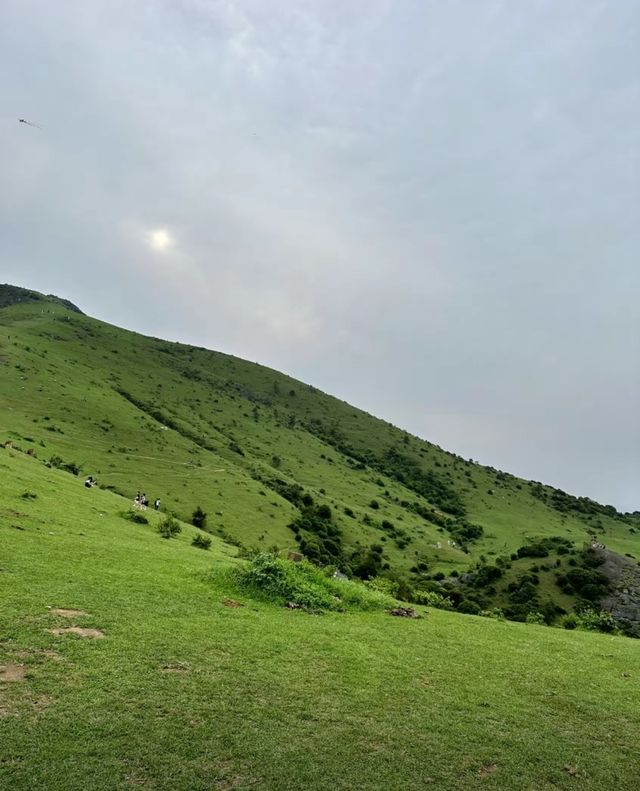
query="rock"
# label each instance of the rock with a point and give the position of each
(623, 600)
(405, 612)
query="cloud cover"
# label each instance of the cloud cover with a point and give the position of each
(428, 209)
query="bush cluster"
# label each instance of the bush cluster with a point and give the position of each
(201, 541)
(302, 583)
(136, 517)
(169, 527)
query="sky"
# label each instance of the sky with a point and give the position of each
(428, 208)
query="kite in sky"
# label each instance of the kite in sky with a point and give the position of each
(28, 123)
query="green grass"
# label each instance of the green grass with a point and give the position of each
(186, 693)
(63, 375)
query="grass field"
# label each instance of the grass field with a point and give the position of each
(202, 428)
(184, 692)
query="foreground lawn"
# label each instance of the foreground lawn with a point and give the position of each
(186, 692)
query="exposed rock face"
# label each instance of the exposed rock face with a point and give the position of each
(623, 602)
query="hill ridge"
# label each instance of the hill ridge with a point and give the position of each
(274, 461)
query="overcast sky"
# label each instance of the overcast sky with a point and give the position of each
(427, 208)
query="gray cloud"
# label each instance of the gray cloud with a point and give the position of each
(426, 208)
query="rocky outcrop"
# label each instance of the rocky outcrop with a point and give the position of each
(623, 600)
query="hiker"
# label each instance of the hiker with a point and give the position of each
(144, 502)
(90, 482)
(136, 501)
(156, 505)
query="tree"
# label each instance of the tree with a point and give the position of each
(199, 518)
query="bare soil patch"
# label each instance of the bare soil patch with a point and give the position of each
(12, 672)
(232, 603)
(175, 667)
(488, 770)
(67, 613)
(80, 631)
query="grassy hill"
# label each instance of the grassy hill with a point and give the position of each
(272, 461)
(176, 690)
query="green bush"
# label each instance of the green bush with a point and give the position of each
(383, 585)
(495, 612)
(593, 621)
(61, 464)
(569, 621)
(281, 581)
(433, 599)
(135, 517)
(469, 607)
(199, 518)
(169, 527)
(536, 618)
(201, 541)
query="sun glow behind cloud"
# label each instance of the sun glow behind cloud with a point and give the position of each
(159, 239)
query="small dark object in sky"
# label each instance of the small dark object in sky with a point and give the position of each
(28, 123)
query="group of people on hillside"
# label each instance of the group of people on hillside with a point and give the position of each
(141, 501)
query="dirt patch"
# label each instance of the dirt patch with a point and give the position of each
(232, 603)
(489, 769)
(12, 672)
(42, 702)
(175, 667)
(34, 652)
(65, 613)
(80, 631)
(230, 783)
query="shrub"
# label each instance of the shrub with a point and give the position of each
(374, 504)
(383, 585)
(496, 613)
(199, 518)
(169, 527)
(367, 562)
(535, 618)
(61, 464)
(590, 584)
(433, 599)
(201, 541)
(281, 581)
(593, 621)
(469, 607)
(136, 517)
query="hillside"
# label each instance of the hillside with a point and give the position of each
(182, 682)
(272, 461)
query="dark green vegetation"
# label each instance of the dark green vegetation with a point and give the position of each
(189, 681)
(264, 461)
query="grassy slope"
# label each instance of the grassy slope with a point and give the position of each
(63, 370)
(261, 697)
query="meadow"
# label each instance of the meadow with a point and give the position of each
(192, 684)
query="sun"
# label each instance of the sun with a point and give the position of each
(159, 239)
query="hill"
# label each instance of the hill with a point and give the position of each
(275, 462)
(128, 660)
